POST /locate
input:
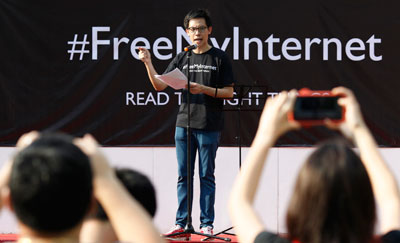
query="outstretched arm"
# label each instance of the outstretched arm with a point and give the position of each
(129, 219)
(272, 125)
(383, 182)
(145, 56)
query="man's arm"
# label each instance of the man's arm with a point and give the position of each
(225, 92)
(145, 56)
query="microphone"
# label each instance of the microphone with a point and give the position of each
(189, 48)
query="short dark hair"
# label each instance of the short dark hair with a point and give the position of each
(195, 14)
(51, 184)
(139, 186)
(333, 199)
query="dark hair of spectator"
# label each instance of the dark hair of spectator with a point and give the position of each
(332, 200)
(139, 186)
(51, 184)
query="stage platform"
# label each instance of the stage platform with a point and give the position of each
(197, 239)
(194, 239)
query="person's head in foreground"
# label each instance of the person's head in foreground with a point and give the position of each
(333, 197)
(50, 186)
(97, 227)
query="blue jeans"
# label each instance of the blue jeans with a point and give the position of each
(206, 143)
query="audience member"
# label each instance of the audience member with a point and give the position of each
(50, 184)
(333, 199)
(97, 227)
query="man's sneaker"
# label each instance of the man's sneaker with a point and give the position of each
(207, 230)
(176, 229)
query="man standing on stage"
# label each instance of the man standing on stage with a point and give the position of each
(211, 78)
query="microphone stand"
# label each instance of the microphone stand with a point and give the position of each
(189, 227)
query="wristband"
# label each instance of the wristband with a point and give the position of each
(216, 92)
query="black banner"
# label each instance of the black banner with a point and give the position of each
(73, 65)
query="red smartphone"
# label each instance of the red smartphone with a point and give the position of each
(312, 107)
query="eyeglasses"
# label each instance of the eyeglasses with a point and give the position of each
(200, 29)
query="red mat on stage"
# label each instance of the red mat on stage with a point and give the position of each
(194, 239)
(8, 237)
(197, 239)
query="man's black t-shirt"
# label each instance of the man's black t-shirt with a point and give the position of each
(212, 68)
(267, 237)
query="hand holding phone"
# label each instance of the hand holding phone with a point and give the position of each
(312, 107)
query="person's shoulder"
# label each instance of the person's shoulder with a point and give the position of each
(180, 55)
(178, 58)
(391, 237)
(218, 52)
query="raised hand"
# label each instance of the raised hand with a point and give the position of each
(144, 55)
(274, 121)
(353, 116)
(26, 139)
(98, 161)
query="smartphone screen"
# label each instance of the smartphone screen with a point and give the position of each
(317, 108)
